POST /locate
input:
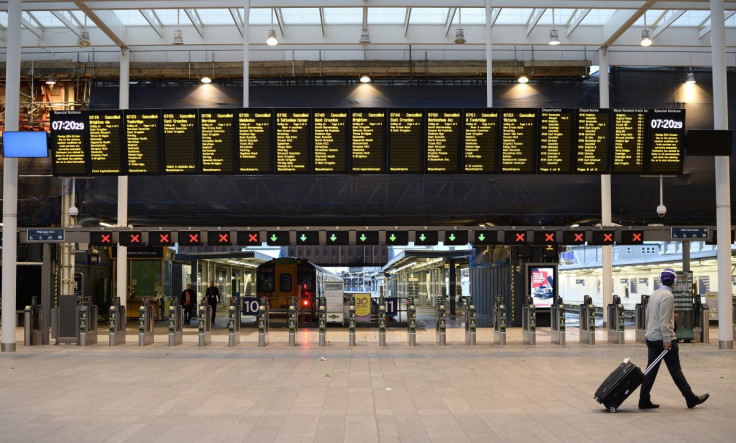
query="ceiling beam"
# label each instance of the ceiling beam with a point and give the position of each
(494, 15)
(537, 14)
(196, 22)
(152, 21)
(450, 17)
(407, 17)
(107, 21)
(235, 14)
(322, 20)
(67, 22)
(621, 21)
(705, 30)
(579, 17)
(38, 32)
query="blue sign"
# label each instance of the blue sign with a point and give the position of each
(392, 306)
(251, 305)
(689, 233)
(46, 235)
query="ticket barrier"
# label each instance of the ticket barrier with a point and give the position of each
(529, 322)
(499, 322)
(411, 315)
(558, 321)
(640, 318)
(587, 321)
(616, 321)
(293, 322)
(263, 323)
(381, 321)
(351, 322)
(205, 324)
(233, 323)
(118, 323)
(87, 315)
(33, 324)
(441, 322)
(176, 320)
(145, 323)
(471, 321)
(702, 322)
(322, 320)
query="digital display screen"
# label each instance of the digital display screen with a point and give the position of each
(518, 140)
(293, 141)
(142, 129)
(556, 128)
(592, 145)
(368, 128)
(443, 140)
(405, 146)
(217, 141)
(105, 142)
(255, 141)
(481, 140)
(180, 141)
(629, 131)
(542, 284)
(330, 136)
(25, 144)
(69, 146)
(666, 141)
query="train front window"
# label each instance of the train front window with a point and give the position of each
(265, 282)
(285, 282)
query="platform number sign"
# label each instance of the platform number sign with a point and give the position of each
(160, 238)
(392, 306)
(190, 238)
(130, 238)
(251, 305)
(249, 238)
(218, 238)
(101, 238)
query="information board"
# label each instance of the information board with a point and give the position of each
(443, 140)
(293, 141)
(141, 131)
(105, 140)
(330, 140)
(69, 143)
(481, 140)
(592, 142)
(556, 136)
(180, 141)
(217, 141)
(666, 140)
(405, 145)
(629, 126)
(255, 141)
(367, 134)
(518, 140)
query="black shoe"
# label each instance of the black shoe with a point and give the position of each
(697, 400)
(648, 405)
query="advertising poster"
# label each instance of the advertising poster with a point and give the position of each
(542, 285)
(362, 307)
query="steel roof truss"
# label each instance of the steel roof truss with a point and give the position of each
(68, 22)
(450, 17)
(107, 21)
(38, 32)
(575, 19)
(153, 21)
(536, 14)
(406, 21)
(196, 22)
(239, 23)
(705, 30)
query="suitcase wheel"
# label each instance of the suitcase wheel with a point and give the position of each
(612, 409)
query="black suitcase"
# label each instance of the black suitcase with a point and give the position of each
(622, 382)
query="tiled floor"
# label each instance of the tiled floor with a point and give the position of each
(365, 393)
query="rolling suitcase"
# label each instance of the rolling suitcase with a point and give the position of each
(622, 382)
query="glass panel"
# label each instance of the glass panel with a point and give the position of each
(428, 16)
(285, 282)
(598, 17)
(514, 16)
(386, 15)
(215, 16)
(145, 277)
(652, 16)
(130, 17)
(260, 16)
(300, 16)
(3, 19)
(341, 16)
(731, 22)
(692, 18)
(474, 16)
(562, 16)
(167, 17)
(46, 19)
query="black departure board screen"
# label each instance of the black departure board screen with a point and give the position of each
(368, 128)
(518, 140)
(141, 130)
(592, 150)
(255, 140)
(629, 131)
(556, 137)
(293, 140)
(330, 136)
(217, 141)
(405, 140)
(666, 134)
(180, 141)
(481, 140)
(105, 142)
(443, 140)
(69, 143)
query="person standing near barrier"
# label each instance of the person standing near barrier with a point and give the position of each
(188, 300)
(660, 336)
(213, 298)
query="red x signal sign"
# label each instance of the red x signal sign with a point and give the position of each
(189, 238)
(160, 238)
(131, 238)
(102, 238)
(515, 237)
(632, 237)
(573, 237)
(603, 237)
(218, 238)
(250, 238)
(545, 237)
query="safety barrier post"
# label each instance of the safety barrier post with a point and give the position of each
(411, 315)
(176, 320)
(441, 323)
(616, 321)
(558, 321)
(87, 315)
(145, 323)
(293, 322)
(351, 321)
(32, 324)
(263, 323)
(118, 323)
(499, 322)
(322, 320)
(205, 323)
(381, 321)
(587, 321)
(529, 322)
(470, 321)
(233, 323)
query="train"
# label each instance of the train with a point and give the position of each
(282, 278)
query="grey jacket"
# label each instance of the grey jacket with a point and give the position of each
(661, 315)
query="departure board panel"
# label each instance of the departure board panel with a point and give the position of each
(666, 134)
(518, 140)
(405, 140)
(556, 137)
(629, 130)
(217, 141)
(69, 143)
(330, 136)
(141, 130)
(481, 140)
(368, 128)
(180, 141)
(443, 140)
(105, 142)
(255, 140)
(591, 153)
(293, 141)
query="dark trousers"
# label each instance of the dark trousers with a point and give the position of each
(214, 309)
(672, 360)
(187, 314)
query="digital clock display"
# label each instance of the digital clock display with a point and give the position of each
(666, 133)
(69, 143)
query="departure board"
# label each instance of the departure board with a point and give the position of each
(629, 130)
(556, 137)
(481, 140)
(405, 140)
(217, 141)
(443, 140)
(69, 143)
(141, 130)
(293, 141)
(330, 136)
(368, 127)
(592, 150)
(105, 142)
(255, 140)
(518, 140)
(666, 135)
(180, 141)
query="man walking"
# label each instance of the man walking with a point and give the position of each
(213, 298)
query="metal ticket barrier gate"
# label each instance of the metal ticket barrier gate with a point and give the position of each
(33, 324)
(558, 321)
(616, 321)
(702, 322)
(176, 320)
(640, 318)
(293, 322)
(499, 322)
(118, 322)
(411, 315)
(322, 320)
(145, 323)
(233, 323)
(441, 322)
(381, 321)
(205, 323)
(471, 321)
(263, 323)
(529, 322)
(351, 322)
(587, 321)
(87, 315)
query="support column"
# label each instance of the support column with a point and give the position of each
(489, 55)
(723, 180)
(606, 251)
(453, 286)
(46, 273)
(686, 255)
(122, 263)
(246, 55)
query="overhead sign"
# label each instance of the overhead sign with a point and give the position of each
(456, 238)
(307, 238)
(680, 233)
(573, 237)
(397, 238)
(190, 238)
(515, 238)
(130, 238)
(277, 238)
(160, 238)
(338, 238)
(366, 238)
(218, 238)
(485, 238)
(100, 238)
(632, 237)
(426, 238)
(603, 238)
(249, 238)
(45, 235)
(545, 237)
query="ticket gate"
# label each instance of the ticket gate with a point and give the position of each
(233, 322)
(557, 311)
(176, 320)
(145, 323)
(381, 321)
(640, 316)
(471, 321)
(587, 321)
(263, 323)
(351, 322)
(205, 324)
(529, 322)
(33, 324)
(322, 320)
(87, 315)
(441, 322)
(293, 322)
(118, 322)
(702, 322)
(499, 322)
(411, 316)
(616, 321)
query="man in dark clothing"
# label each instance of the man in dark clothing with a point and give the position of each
(660, 336)
(213, 298)
(188, 300)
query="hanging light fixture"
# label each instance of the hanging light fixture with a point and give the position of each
(272, 40)
(690, 78)
(178, 36)
(50, 81)
(554, 37)
(365, 78)
(523, 79)
(460, 33)
(83, 41)
(646, 40)
(364, 37)
(206, 79)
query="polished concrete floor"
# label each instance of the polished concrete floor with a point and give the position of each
(366, 393)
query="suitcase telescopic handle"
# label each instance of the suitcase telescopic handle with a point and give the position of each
(655, 362)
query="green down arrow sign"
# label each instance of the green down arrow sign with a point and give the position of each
(481, 237)
(452, 236)
(274, 238)
(422, 237)
(303, 237)
(392, 238)
(363, 238)
(333, 237)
